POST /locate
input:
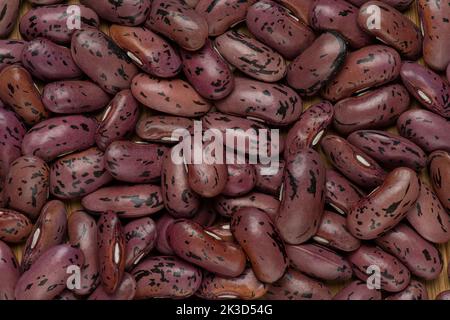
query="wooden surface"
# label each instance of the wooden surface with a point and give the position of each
(434, 287)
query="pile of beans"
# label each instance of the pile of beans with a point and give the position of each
(350, 200)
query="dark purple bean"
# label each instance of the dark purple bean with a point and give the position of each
(241, 180)
(125, 290)
(439, 170)
(10, 52)
(269, 178)
(14, 226)
(357, 290)
(9, 10)
(414, 291)
(162, 243)
(125, 12)
(140, 238)
(9, 272)
(340, 194)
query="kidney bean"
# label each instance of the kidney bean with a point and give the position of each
(255, 232)
(78, 174)
(444, 295)
(297, 286)
(365, 68)
(401, 5)
(18, 90)
(428, 217)
(414, 291)
(340, 194)
(222, 230)
(241, 180)
(190, 242)
(377, 108)
(166, 277)
(111, 251)
(205, 215)
(434, 19)
(394, 275)
(269, 178)
(246, 286)
(357, 290)
(326, 15)
(227, 207)
(10, 52)
(125, 12)
(58, 136)
(251, 56)
(125, 290)
(9, 272)
(439, 164)
(162, 243)
(44, 2)
(389, 150)
(140, 238)
(178, 22)
(48, 276)
(102, 60)
(82, 231)
(14, 226)
(148, 51)
(161, 128)
(48, 231)
(300, 8)
(9, 13)
(426, 129)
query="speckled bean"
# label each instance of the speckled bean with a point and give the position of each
(9, 10)
(161, 128)
(300, 8)
(340, 194)
(444, 295)
(401, 5)
(125, 12)
(241, 180)
(439, 169)
(205, 215)
(14, 226)
(414, 291)
(269, 180)
(9, 272)
(222, 230)
(125, 290)
(10, 52)
(162, 243)
(140, 238)
(357, 290)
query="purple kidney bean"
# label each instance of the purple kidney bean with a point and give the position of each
(58, 136)
(340, 194)
(73, 96)
(9, 10)
(426, 129)
(125, 12)
(102, 60)
(251, 56)
(48, 231)
(357, 290)
(118, 120)
(255, 232)
(78, 174)
(10, 52)
(111, 251)
(162, 243)
(9, 272)
(125, 290)
(205, 215)
(14, 226)
(166, 277)
(161, 128)
(414, 291)
(300, 8)
(397, 4)
(389, 150)
(222, 231)
(269, 179)
(352, 162)
(241, 180)
(48, 276)
(227, 207)
(377, 108)
(140, 238)
(444, 295)
(439, 169)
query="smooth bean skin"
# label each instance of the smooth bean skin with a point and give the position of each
(44, 2)
(26, 185)
(255, 232)
(395, 29)
(227, 207)
(389, 150)
(250, 56)
(82, 232)
(14, 226)
(53, 21)
(48, 231)
(295, 285)
(317, 64)
(309, 128)
(178, 22)
(221, 15)
(125, 290)
(368, 67)
(57, 136)
(426, 129)
(439, 169)
(286, 34)
(48, 276)
(319, 262)
(207, 180)
(383, 208)
(325, 15)
(10, 13)
(149, 51)
(9, 272)
(397, 4)
(352, 162)
(140, 237)
(340, 194)
(420, 256)
(269, 180)
(241, 180)
(300, 8)
(444, 295)
(73, 96)
(78, 174)
(427, 87)
(208, 72)
(118, 121)
(166, 277)
(127, 201)
(161, 128)
(428, 217)
(10, 52)
(190, 242)
(172, 96)
(244, 287)
(333, 233)
(18, 90)
(102, 60)
(435, 21)
(205, 215)
(162, 243)
(111, 251)
(374, 109)
(357, 290)
(124, 12)
(275, 104)
(414, 291)
(222, 230)
(394, 275)
(134, 162)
